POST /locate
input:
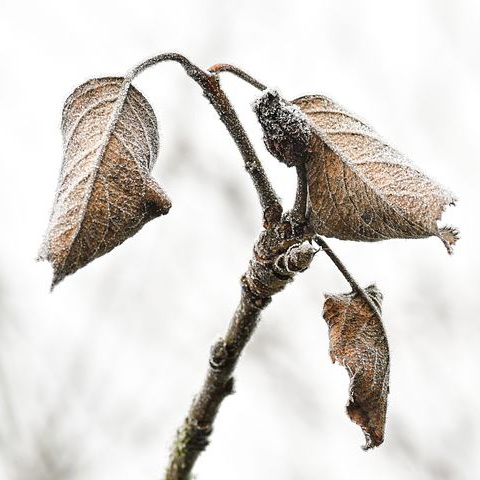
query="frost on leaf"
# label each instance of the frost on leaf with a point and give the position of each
(287, 133)
(105, 193)
(362, 189)
(358, 342)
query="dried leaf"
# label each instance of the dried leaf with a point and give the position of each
(362, 189)
(286, 131)
(105, 192)
(358, 342)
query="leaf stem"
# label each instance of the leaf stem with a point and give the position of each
(300, 206)
(225, 67)
(347, 275)
(210, 85)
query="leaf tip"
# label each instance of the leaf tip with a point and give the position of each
(42, 256)
(56, 279)
(449, 236)
(372, 428)
(370, 444)
(156, 200)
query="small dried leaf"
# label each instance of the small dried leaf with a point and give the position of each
(286, 131)
(358, 342)
(105, 193)
(362, 189)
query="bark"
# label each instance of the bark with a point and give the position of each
(279, 253)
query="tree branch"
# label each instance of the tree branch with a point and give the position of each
(193, 437)
(279, 253)
(268, 198)
(210, 85)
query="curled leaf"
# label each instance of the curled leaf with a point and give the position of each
(358, 342)
(105, 193)
(362, 189)
(286, 131)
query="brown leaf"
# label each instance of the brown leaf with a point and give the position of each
(358, 342)
(362, 189)
(105, 192)
(286, 131)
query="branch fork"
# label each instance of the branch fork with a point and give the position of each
(279, 254)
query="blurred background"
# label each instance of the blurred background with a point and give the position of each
(96, 377)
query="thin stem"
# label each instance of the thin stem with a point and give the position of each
(191, 69)
(300, 206)
(225, 67)
(348, 277)
(268, 198)
(211, 88)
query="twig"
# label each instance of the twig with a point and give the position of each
(211, 88)
(299, 209)
(279, 254)
(348, 277)
(268, 198)
(225, 67)
(193, 437)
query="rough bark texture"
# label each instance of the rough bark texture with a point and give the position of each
(279, 253)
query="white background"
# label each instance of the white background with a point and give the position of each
(96, 377)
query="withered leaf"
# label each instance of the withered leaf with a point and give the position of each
(358, 342)
(286, 131)
(105, 193)
(362, 189)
